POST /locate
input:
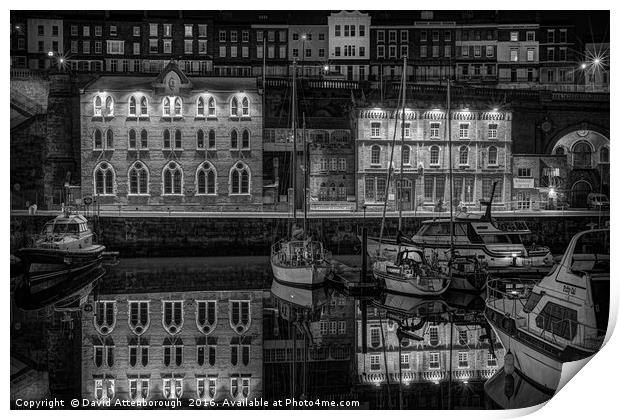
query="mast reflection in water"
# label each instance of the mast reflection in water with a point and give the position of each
(220, 329)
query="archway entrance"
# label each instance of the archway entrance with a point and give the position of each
(579, 194)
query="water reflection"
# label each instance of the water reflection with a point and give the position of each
(221, 330)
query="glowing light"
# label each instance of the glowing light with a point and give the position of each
(514, 255)
(303, 37)
(18, 27)
(597, 61)
(62, 60)
(326, 67)
(495, 110)
(436, 382)
(583, 66)
(50, 54)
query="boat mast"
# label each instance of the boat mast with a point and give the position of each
(294, 160)
(402, 148)
(306, 169)
(449, 124)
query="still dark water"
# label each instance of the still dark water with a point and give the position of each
(199, 332)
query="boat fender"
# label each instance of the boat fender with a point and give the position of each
(509, 386)
(509, 363)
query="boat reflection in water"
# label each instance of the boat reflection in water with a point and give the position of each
(515, 390)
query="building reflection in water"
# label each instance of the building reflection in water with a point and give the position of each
(222, 329)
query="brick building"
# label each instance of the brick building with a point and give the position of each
(517, 55)
(155, 345)
(476, 53)
(481, 150)
(540, 182)
(171, 142)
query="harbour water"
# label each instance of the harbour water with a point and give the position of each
(221, 332)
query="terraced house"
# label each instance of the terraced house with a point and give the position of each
(172, 142)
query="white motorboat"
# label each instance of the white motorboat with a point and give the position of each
(561, 318)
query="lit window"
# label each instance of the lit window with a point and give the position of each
(375, 155)
(239, 315)
(514, 36)
(205, 185)
(492, 131)
(434, 361)
(434, 155)
(375, 129)
(138, 389)
(173, 388)
(166, 107)
(404, 361)
(491, 360)
(463, 359)
(433, 335)
(173, 181)
(104, 389)
(177, 107)
(211, 107)
(200, 107)
(464, 130)
(138, 185)
(245, 107)
(375, 337)
(97, 107)
(234, 107)
(104, 179)
(435, 130)
(132, 106)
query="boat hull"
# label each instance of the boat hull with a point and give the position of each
(409, 286)
(308, 276)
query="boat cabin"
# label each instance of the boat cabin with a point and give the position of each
(74, 224)
(474, 232)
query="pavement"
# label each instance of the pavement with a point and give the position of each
(319, 214)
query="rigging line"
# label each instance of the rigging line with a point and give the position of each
(389, 173)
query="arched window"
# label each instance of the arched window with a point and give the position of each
(604, 154)
(463, 155)
(560, 151)
(211, 107)
(172, 179)
(98, 142)
(105, 316)
(234, 143)
(132, 138)
(166, 107)
(406, 155)
(200, 139)
(109, 139)
(172, 316)
(178, 107)
(582, 155)
(245, 139)
(245, 107)
(138, 179)
(434, 155)
(109, 106)
(206, 177)
(144, 108)
(144, 139)
(200, 107)
(104, 179)
(375, 155)
(492, 155)
(211, 139)
(97, 106)
(323, 192)
(234, 107)
(132, 106)
(178, 139)
(166, 139)
(240, 179)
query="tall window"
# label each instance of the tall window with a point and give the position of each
(492, 156)
(211, 144)
(582, 155)
(239, 386)
(604, 155)
(178, 139)
(211, 106)
(97, 107)
(200, 139)
(166, 107)
(433, 335)
(464, 155)
(245, 107)
(144, 110)
(177, 107)
(98, 142)
(206, 315)
(234, 107)
(138, 389)
(375, 129)
(375, 155)
(138, 179)
(172, 179)
(104, 179)
(406, 155)
(132, 139)
(434, 361)
(132, 106)
(200, 107)
(166, 139)
(492, 131)
(138, 316)
(172, 316)
(173, 351)
(245, 139)
(109, 106)
(109, 139)
(435, 130)
(104, 389)
(375, 337)
(240, 179)
(234, 141)
(434, 155)
(239, 315)
(205, 179)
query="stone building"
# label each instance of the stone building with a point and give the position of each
(517, 55)
(349, 44)
(540, 182)
(172, 142)
(155, 344)
(481, 149)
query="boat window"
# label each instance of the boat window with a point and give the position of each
(460, 229)
(495, 239)
(437, 229)
(532, 302)
(514, 238)
(558, 320)
(473, 236)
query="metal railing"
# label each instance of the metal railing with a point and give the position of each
(299, 253)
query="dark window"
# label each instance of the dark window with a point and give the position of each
(558, 320)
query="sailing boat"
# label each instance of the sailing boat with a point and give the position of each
(409, 273)
(299, 260)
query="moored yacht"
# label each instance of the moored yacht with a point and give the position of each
(300, 262)
(562, 318)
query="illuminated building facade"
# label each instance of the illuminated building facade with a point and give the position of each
(170, 142)
(481, 155)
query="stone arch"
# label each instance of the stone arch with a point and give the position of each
(559, 134)
(594, 139)
(579, 193)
